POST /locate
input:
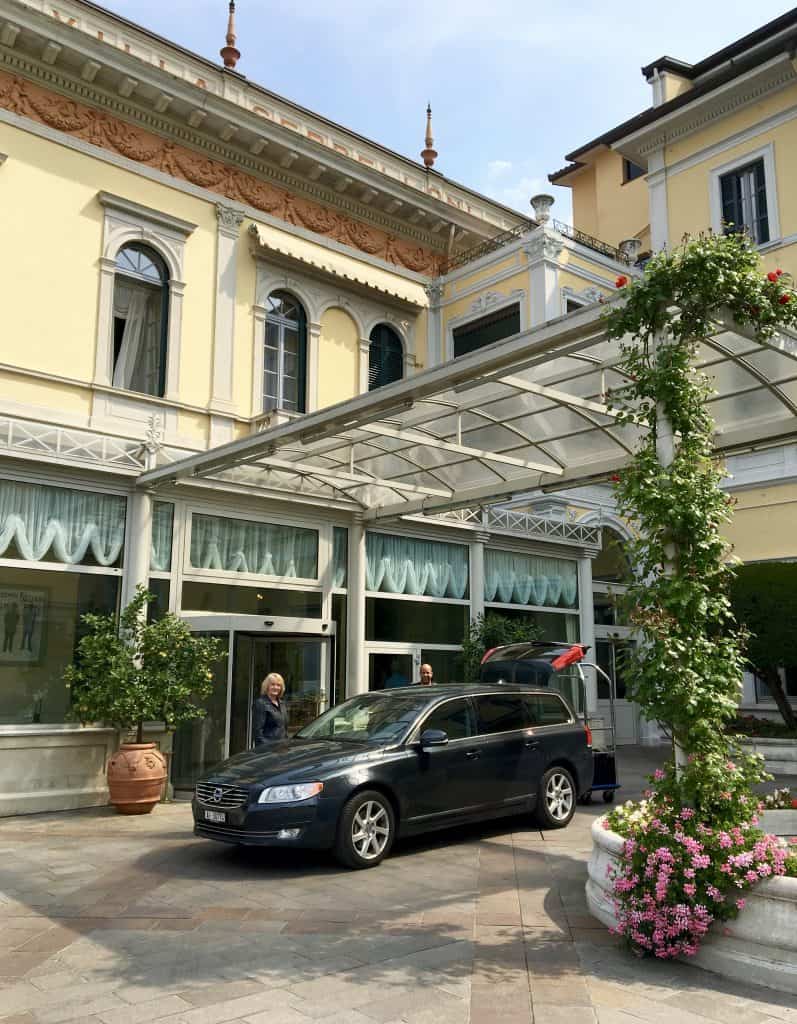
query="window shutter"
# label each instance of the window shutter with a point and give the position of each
(731, 203)
(385, 357)
(761, 226)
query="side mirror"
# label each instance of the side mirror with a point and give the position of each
(433, 738)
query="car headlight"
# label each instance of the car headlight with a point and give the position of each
(290, 794)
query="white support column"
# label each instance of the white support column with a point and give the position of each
(139, 544)
(543, 247)
(435, 347)
(229, 225)
(365, 350)
(587, 629)
(477, 574)
(357, 669)
(313, 350)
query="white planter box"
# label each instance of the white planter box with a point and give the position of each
(779, 823)
(760, 945)
(780, 756)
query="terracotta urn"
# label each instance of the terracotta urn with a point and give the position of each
(136, 774)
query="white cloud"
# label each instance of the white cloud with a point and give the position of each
(498, 168)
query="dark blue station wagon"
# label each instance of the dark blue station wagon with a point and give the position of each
(397, 763)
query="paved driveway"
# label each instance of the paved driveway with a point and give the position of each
(112, 920)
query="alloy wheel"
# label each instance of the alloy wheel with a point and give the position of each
(370, 830)
(559, 796)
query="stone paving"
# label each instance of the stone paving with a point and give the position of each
(112, 920)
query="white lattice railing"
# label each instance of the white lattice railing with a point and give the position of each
(69, 445)
(526, 524)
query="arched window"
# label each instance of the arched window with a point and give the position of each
(612, 564)
(285, 355)
(385, 357)
(140, 320)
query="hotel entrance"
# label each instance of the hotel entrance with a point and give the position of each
(302, 657)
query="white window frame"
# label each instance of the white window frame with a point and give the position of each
(126, 222)
(767, 154)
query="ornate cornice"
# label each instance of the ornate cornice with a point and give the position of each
(102, 129)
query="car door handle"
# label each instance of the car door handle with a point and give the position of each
(472, 754)
(532, 744)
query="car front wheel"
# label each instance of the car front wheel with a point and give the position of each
(366, 830)
(556, 799)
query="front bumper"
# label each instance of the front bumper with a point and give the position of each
(256, 824)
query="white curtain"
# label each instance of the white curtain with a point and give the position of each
(130, 304)
(511, 578)
(65, 524)
(340, 551)
(235, 545)
(403, 565)
(161, 551)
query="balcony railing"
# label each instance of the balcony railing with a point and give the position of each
(489, 245)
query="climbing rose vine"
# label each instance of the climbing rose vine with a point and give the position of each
(688, 672)
(692, 846)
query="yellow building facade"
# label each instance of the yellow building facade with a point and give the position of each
(717, 146)
(189, 260)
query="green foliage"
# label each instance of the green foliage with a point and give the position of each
(488, 631)
(764, 598)
(133, 672)
(687, 674)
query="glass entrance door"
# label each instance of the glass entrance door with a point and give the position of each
(610, 656)
(201, 743)
(302, 662)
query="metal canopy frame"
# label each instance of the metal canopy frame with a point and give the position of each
(521, 414)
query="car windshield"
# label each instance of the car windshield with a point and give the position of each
(370, 718)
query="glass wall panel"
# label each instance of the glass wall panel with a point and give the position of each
(447, 666)
(423, 568)
(162, 528)
(40, 628)
(340, 555)
(198, 745)
(160, 606)
(511, 578)
(266, 549)
(420, 622)
(551, 625)
(339, 616)
(234, 600)
(389, 671)
(57, 524)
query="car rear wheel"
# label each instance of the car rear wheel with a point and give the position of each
(366, 830)
(556, 798)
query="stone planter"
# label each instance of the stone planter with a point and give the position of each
(760, 945)
(780, 756)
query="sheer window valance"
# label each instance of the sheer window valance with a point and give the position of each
(511, 578)
(264, 549)
(403, 565)
(161, 553)
(340, 553)
(40, 523)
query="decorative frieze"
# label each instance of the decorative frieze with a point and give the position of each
(99, 128)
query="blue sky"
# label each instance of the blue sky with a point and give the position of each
(514, 85)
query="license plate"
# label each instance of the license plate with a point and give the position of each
(219, 816)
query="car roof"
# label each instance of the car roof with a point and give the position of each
(459, 690)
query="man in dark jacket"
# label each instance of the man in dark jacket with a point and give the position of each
(270, 719)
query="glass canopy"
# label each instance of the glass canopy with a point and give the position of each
(525, 413)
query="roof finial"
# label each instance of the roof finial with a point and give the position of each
(229, 54)
(429, 154)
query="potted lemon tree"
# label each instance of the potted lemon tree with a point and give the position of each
(129, 672)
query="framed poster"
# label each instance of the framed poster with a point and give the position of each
(23, 619)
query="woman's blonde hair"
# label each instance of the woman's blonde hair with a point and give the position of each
(272, 677)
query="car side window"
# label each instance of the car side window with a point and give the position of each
(455, 718)
(501, 712)
(546, 709)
